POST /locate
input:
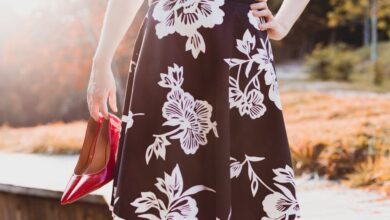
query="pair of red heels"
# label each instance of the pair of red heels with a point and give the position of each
(96, 163)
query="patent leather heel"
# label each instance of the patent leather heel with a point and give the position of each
(85, 157)
(100, 170)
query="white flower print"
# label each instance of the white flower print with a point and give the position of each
(281, 203)
(264, 58)
(191, 117)
(253, 104)
(284, 175)
(186, 17)
(249, 100)
(180, 204)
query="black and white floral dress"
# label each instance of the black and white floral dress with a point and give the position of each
(203, 135)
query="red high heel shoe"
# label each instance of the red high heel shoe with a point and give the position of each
(85, 156)
(100, 170)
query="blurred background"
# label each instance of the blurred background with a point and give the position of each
(334, 73)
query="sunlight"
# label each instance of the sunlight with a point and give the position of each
(22, 7)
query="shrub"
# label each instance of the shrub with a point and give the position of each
(381, 70)
(336, 62)
(373, 171)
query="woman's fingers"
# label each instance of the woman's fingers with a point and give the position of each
(262, 13)
(95, 110)
(268, 25)
(103, 104)
(261, 10)
(112, 101)
(93, 106)
(259, 6)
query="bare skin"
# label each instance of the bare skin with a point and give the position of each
(119, 15)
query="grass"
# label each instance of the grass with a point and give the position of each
(55, 138)
(344, 138)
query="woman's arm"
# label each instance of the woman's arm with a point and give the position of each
(118, 17)
(278, 26)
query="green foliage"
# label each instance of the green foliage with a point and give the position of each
(379, 72)
(336, 62)
(355, 11)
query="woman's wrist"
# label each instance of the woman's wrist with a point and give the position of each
(101, 62)
(284, 26)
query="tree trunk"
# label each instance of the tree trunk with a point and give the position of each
(374, 31)
(366, 27)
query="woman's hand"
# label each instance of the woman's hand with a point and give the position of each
(101, 88)
(275, 29)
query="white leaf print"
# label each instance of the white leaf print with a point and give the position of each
(248, 68)
(233, 159)
(149, 153)
(196, 189)
(179, 205)
(284, 175)
(254, 158)
(256, 83)
(274, 94)
(158, 148)
(235, 169)
(174, 77)
(184, 208)
(285, 191)
(174, 183)
(185, 18)
(233, 81)
(232, 62)
(254, 186)
(235, 97)
(161, 185)
(196, 44)
(147, 201)
(247, 44)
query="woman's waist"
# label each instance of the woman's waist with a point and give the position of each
(242, 1)
(226, 1)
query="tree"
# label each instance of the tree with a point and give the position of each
(357, 12)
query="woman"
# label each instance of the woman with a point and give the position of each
(203, 135)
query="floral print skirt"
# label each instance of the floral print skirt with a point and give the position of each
(203, 135)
